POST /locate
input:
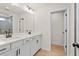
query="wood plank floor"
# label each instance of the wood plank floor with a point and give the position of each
(56, 50)
(42, 53)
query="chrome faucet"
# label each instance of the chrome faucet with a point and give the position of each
(29, 31)
(8, 33)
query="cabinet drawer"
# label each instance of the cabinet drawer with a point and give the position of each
(16, 44)
(4, 48)
(36, 37)
(27, 40)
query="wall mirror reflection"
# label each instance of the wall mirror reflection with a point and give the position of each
(5, 24)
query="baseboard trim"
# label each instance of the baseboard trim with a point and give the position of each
(37, 52)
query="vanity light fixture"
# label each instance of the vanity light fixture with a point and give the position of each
(25, 8)
(28, 9)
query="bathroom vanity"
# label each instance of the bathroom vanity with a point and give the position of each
(20, 44)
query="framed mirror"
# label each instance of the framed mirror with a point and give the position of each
(5, 24)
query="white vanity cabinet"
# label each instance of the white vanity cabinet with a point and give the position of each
(26, 46)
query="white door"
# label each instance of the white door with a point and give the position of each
(77, 30)
(58, 28)
(65, 32)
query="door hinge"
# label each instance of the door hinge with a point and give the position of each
(65, 46)
(66, 30)
(66, 14)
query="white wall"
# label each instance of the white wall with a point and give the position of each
(42, 25)
(28, 22)
(42, 21)
(57, 20)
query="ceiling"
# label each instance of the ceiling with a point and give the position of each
(10, 8)
(19, 9)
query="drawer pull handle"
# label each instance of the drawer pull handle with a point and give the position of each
(19, 51)
(3, 49)
(16, 52)
(37, 41)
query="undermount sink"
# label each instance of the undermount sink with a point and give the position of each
(14, 36)
(10, 38)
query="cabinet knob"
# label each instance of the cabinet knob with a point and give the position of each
(37, 41)
(16, 52)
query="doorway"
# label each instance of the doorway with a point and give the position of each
(59, 33)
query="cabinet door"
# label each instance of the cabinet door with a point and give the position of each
(38, 42)
(20, 51)
(14, 52)
(27, 47)
(33, 46)
(26, 50)
(6, 54)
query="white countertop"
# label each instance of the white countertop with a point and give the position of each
(16, 37)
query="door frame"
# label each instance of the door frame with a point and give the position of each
(59, 10)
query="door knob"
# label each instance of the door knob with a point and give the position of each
(75, 45)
